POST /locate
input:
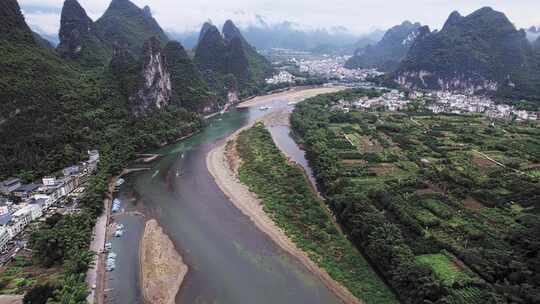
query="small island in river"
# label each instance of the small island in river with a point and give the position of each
(162, 268)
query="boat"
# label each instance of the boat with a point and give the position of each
(119, 182)
(264, 108)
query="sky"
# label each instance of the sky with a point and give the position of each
(357, 16)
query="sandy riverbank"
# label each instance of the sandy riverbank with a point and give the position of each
(222, 162)
(11, 299)
(162, 268)
(294, 95)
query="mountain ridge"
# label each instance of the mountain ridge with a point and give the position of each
(78, 37)
(389, 51)
(125, 23)
(479, 53)
(228, 62)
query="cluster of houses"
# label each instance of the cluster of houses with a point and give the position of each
(392, 101)
(447, 102)
(332, 67)
(440, 102)
(35, 198)
(281, 77)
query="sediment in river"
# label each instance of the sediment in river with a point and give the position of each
(162, 268)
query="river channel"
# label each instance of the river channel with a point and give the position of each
(230, 261)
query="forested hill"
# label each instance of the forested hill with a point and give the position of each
(228, 61)
(189, 88)
(13, 28)
(53, 111)
(387, 53)
(125, 23)
(259, 67)
(482, 52)
(79, 38)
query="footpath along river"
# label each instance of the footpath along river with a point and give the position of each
(230, 261)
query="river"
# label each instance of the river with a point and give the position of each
(230, 261)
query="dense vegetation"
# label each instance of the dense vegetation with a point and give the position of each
(293, 205)
(446, 206)
(79, 39)
(387, 53)
(472, 51)
(229, 62)
(53, 111)
(126, 24)
(189, 88)
(64, 240)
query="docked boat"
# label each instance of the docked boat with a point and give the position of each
(119, 182)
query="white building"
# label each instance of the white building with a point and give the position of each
(4, 238)
(71, 170)
(19, 220)
(49, 181)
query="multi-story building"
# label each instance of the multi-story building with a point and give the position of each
(26, 191)
(19, 220)
(10, 185)
(71, 170)
(4, 238)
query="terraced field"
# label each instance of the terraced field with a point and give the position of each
(457, 196)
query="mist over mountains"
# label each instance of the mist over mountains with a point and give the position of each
(289, 36)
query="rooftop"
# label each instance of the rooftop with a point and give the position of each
(10, 181)
(27, 188)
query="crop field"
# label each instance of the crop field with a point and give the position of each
(445, 267)
(462, 192)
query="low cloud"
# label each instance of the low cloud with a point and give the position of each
(358, 16)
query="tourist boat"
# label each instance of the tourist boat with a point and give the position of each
(119, 182)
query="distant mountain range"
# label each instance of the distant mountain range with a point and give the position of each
(479, 53)
(533, 33)
(389, 51)
(286, 35)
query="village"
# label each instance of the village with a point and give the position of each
(332, 68)
(22, 204)
(440, 102)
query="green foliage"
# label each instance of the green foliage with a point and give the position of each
(189, 88)
(39, 294)
(54, 241)
(482, 46)
(218, 57)
(73, 291)
(446, 195)
(444, 267)
(293, 205)
(126, 24)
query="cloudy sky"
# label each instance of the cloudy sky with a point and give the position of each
(359, 16)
